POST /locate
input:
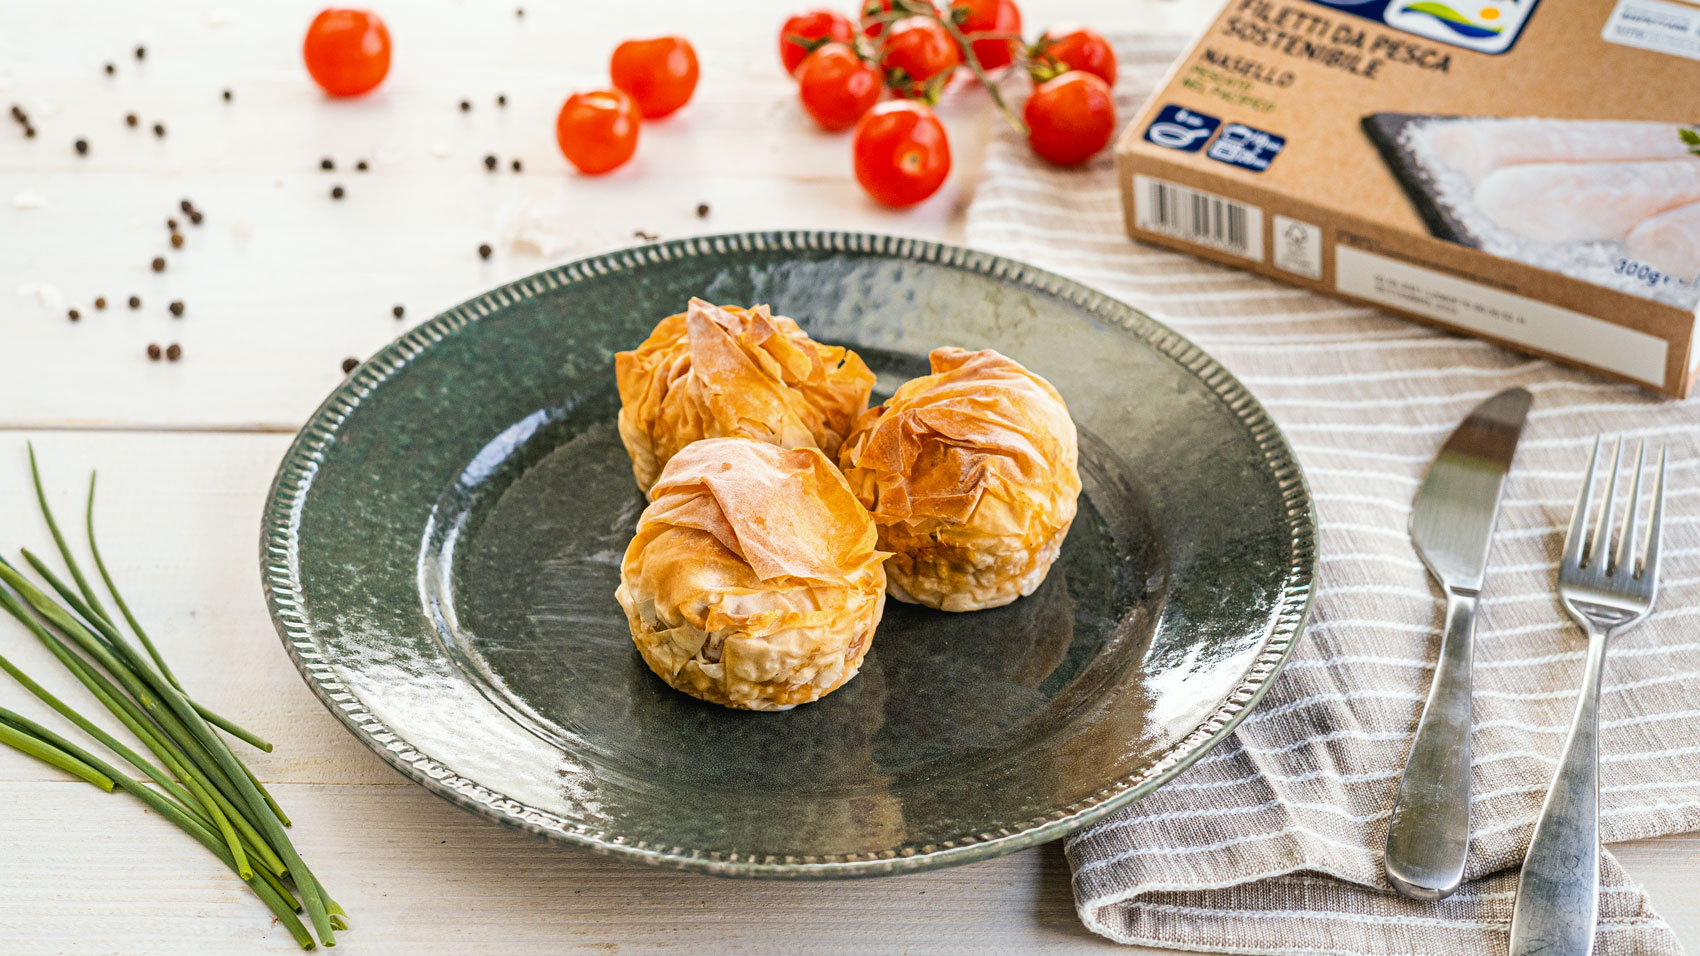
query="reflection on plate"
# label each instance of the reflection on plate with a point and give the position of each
(443, 542)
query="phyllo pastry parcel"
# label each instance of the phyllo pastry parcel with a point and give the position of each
(971, 475)
(727, 372)
(753, 580)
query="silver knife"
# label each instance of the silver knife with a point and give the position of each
(1452, 528)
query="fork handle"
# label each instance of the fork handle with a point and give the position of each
(1429, 832)
(1558, 892)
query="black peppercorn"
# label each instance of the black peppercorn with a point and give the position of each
(176, 307)
(336, 192)
(484, 250)
(131, 119)
(361, 166)
(171, 224)
(327, 163)
(517, 166)
(100, 302)
(111, 68)
(153, 351)
(82, 146)
(227, 96)
(195, 217)
(135, 302)
(398, 311)
(174, 351)
(159, 263)
(466, 106)
(73, 315)
(501, 99)
(702, 210)
(349, 365)
(141, 53)
(159, 130)
(490, 162)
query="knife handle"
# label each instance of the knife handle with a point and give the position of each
(1429, 832)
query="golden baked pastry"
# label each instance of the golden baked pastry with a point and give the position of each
(971, 475)
(752, 581)
(713, 372)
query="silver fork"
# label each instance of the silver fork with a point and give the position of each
(1558, 896)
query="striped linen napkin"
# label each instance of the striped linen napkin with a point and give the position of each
(1272, 843)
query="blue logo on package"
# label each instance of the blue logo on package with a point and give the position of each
(1490, 26)
(1240, 145)
(1177, 127)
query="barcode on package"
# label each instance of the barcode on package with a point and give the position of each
(1198, 216)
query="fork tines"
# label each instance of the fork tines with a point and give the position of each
(1588, 545)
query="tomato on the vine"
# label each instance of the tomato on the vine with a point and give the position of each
(1072, 47)
(989, 16)
(919, 57)
(901, 153)
(1069, 118)
(870, 10)
(807, 32)
(660, 74)
(598, 131)
(347, 51)
(837, 86)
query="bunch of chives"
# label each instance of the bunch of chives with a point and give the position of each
(194, 779)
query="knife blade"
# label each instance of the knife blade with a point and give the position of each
(1452, 521)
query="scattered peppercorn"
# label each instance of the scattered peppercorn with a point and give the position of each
(520, 13)
(73, 315)
(135, 302)
(398, 311)
(176, 307)
(195, 217)
(517, 166)
(19, 114)
(484, 250)
(490, 162)
(171, 224)
(466, 106)
(159, 130)
(501, 99)
(173, 352)
(349, 365)
(327, 163)
(228, 96)
(159, 263)
(100, 302)
(176, 240)
(82, 147)
(153, 351)
(141, 53)
(132, 120)
(111, 68)
(29, 132)
(336, 192)
(361, 166)
(702, 210)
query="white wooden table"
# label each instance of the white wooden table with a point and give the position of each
(280, 284)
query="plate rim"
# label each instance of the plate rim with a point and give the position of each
(280, 564)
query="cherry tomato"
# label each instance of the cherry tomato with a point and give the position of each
(989, 16)
(598, 131)
(837, 86)
(347, 51)
(919, 57)
(873, 8)
(660, 74)
(1071, 47)
(814, 28)
(1070, 117)
(901, 152)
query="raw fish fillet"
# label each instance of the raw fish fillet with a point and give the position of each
(1584, 202)
(1477, 147)
(1669, 242)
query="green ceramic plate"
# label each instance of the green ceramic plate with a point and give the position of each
(442, 544)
